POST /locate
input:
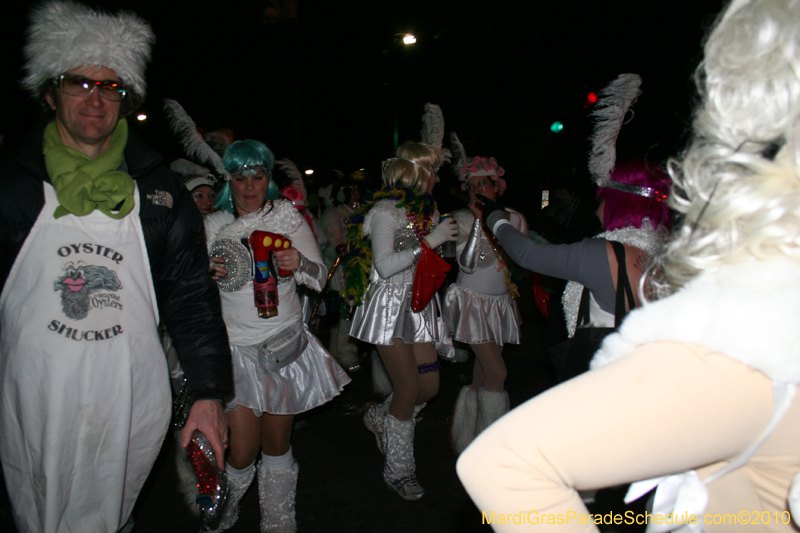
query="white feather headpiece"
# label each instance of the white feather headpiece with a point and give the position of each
(433, 130)
(476, 166)
(609, 114)
(192, 174)
(459, 153)
(65, 35)
(193, 144)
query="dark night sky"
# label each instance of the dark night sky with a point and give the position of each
(321, 89)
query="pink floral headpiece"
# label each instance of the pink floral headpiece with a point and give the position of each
(480, 166)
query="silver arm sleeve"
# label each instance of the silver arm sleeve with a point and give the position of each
(469, 255)
(310, 274)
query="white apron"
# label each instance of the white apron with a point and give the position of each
(84, 393)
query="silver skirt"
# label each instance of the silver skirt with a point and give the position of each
(386, 315)
(475, 318)
(312, 380)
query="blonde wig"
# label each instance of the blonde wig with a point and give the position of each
(414, 167)
(736, 186)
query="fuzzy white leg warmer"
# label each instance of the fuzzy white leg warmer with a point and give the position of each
(491, 406)
(465, 418)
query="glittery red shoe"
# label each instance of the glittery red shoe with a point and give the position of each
(212, 483)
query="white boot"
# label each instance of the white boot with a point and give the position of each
(399, 469)
(374, 419)
(346, 348)
(277, 490)
(491, 406)
(464, 419)
(238, 483)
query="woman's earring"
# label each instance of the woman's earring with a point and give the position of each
(233, 209)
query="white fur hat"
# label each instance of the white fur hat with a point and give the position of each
(65, 35)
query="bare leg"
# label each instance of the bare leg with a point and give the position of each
(245, 438)
(245, 433)
(276, 433)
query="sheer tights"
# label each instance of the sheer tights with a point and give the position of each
(490, 369)
(410, 387)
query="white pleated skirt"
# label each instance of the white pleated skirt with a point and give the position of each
(385, 315)
(476, 318)
(310, 381)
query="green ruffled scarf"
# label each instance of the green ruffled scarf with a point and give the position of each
(84, 184)
(359, 250)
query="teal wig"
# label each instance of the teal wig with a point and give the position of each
(239, 154)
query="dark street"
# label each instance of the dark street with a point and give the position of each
(340, 487)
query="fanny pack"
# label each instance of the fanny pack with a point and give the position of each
(283, 348)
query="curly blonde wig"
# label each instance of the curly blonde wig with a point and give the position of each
(736, 186)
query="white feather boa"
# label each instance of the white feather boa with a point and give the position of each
(747, 311)
(283, 218)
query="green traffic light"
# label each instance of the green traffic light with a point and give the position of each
(556, 127)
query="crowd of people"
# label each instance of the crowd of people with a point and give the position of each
(679, 313)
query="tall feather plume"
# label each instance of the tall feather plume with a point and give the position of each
(609, 114)
(293, 174)
(433, 130)
(459, 154)
(193, 144)
(184, 167)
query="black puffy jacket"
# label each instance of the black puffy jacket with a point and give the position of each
(188, 299)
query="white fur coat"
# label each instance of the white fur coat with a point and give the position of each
(748, 312)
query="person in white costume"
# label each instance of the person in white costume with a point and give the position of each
(404, 339)
(479, 308)
(266, 398)
(99, 241)
(696, 392)
(342, 199)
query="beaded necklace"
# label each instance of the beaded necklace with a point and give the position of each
(502, 258)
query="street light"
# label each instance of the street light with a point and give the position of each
(408, 39)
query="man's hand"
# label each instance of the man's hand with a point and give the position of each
(208, 417)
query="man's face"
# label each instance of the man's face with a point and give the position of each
(87, 120)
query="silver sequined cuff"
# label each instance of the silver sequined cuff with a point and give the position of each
(417, 247)
(310, 274)
(469, 256)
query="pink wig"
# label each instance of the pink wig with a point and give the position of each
(624, 208)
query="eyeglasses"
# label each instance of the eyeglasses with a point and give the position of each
(73, 85)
